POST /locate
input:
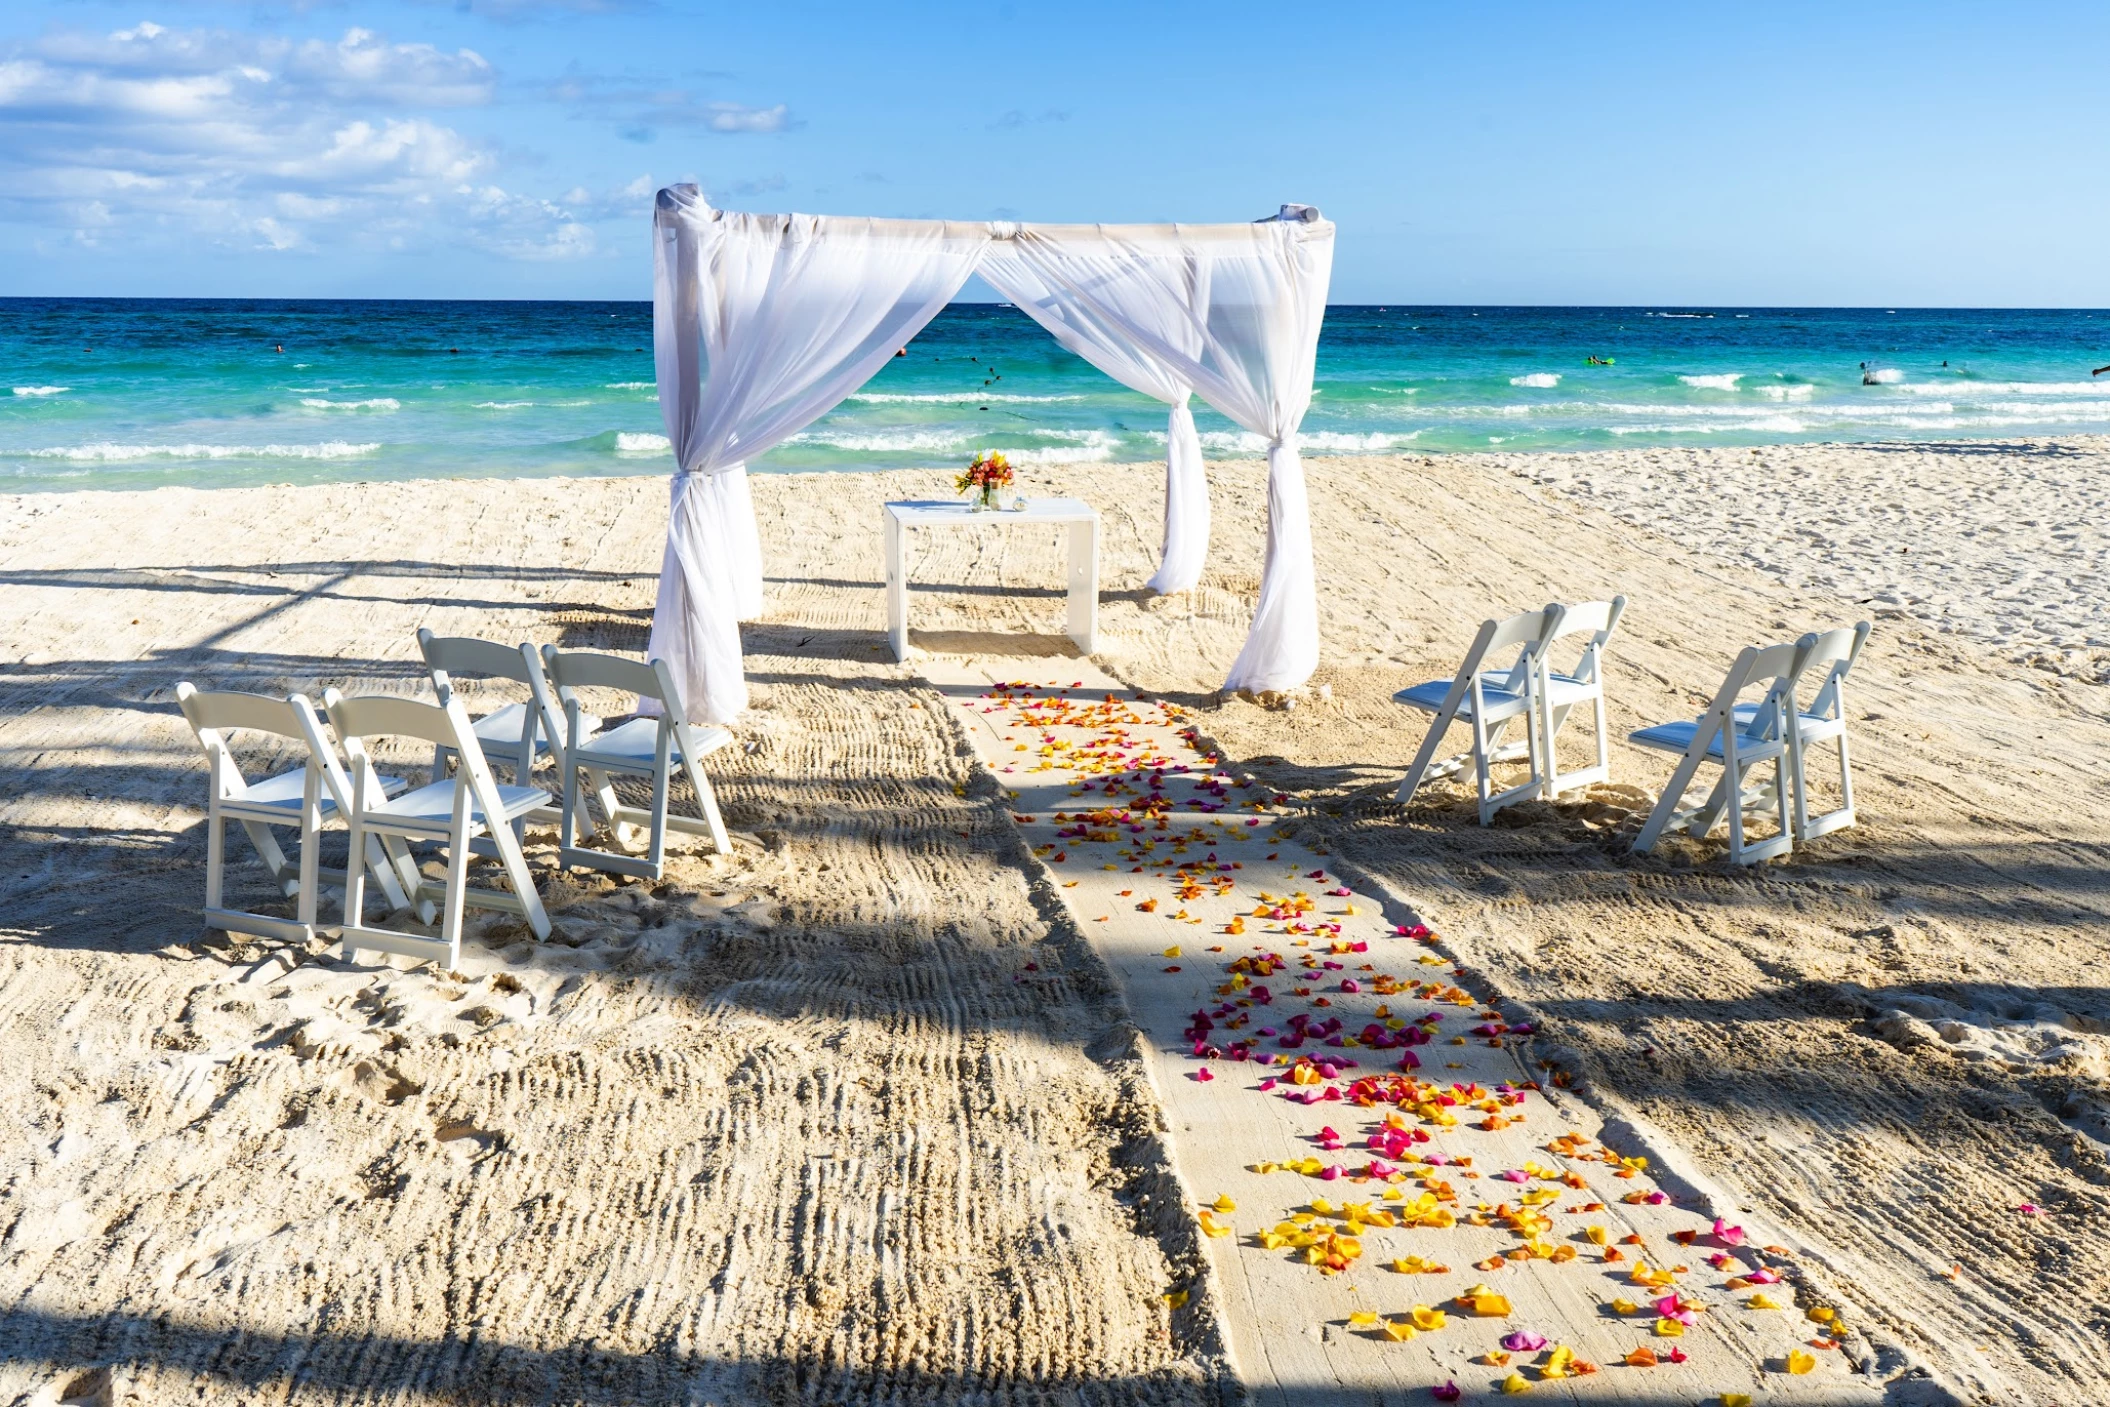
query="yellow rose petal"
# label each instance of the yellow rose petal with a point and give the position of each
(1800, 1362)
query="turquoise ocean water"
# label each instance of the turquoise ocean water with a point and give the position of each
(101, 393)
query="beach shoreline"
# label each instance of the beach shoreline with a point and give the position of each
(748, 1079)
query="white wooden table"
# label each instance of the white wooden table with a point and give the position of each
(1079, 517)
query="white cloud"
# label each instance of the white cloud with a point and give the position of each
(732, 117)
(260, 142)
(642, 108)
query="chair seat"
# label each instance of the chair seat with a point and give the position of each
(1429, 697)
(502, 729)
(636, 743)
(1677, 737)
(1814, 725)
(1565, 690)
(432, 806)
(283, 793)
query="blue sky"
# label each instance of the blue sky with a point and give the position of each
(1927, 154)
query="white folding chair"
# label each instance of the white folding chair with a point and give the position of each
(1738, 739)
(642, 747)
(1489, 701)
(516, 734)
(1584, 684)
(450, 811)
(1824, 721)
(282, 800)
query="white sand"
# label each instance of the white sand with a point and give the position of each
(790, 1121)
(2000, 541)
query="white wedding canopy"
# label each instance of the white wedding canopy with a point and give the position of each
(762, 324)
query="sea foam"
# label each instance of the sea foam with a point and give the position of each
(376, 403)
(329, 449)
(1544, 380)
(2008, 388)
(948, 398)
(636, 444)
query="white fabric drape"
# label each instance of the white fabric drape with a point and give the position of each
(788, 314)
(1234, 312)
(1100, 331)
(764, 323)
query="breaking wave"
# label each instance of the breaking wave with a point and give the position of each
(1544, 380)
(110, 453)
(42, 390)
(1726, 381)
(376, 403)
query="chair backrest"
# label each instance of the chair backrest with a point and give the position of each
(464, 654)
(1528, 629)
(589, 669)
(1600, 619)
(1834, 652)
(445, 723)
(650, 680)
(449, 655)
(1775, 666)
(214, 713)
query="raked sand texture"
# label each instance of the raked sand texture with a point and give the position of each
(791, 1121)
(2000, 541)
(783, 1129)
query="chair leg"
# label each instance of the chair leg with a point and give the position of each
(1846, 783)
(523, 882)
(1781, 774)
(1483, 773)
(1733, 792)
(707, 803)
(382, 868)
(311, 861)
(413, 881)
(621, 832)
(1802, 792)
(1438, 726)
(456, 897)
(1549, 726)
(655, 854)
(215, 854)
(274, 858)
(354, 887)
(567, 807)
(1673, 793)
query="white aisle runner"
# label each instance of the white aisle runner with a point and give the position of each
(1158, 851)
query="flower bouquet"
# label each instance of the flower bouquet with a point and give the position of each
(990, 472)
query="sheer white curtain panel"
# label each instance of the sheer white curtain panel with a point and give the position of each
(1232, 311)
(761, 325)
(1098, 331)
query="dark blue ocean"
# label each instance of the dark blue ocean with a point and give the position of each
(107, 393)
